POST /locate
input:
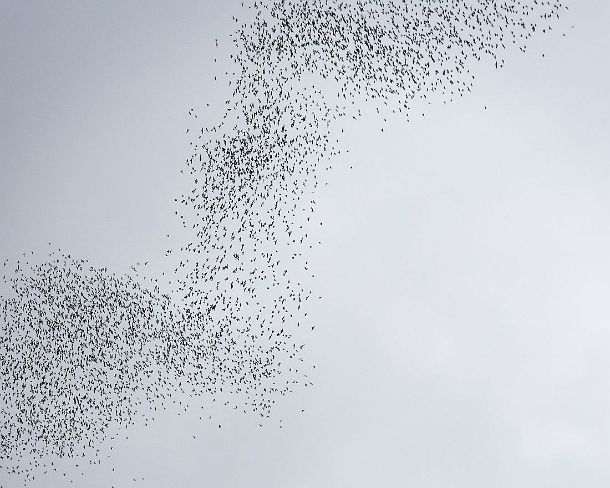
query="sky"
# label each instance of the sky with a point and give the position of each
(463, 333)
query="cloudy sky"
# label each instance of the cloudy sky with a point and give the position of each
(462, 338)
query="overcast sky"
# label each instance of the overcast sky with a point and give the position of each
(464, 333)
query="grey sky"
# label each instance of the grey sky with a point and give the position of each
(462, 339)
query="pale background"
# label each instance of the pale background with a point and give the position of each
(463, 337)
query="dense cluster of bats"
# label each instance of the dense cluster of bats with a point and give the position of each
(83, 348)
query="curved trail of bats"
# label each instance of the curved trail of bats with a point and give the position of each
(83, 349)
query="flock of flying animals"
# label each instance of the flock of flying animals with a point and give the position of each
(84, 349)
